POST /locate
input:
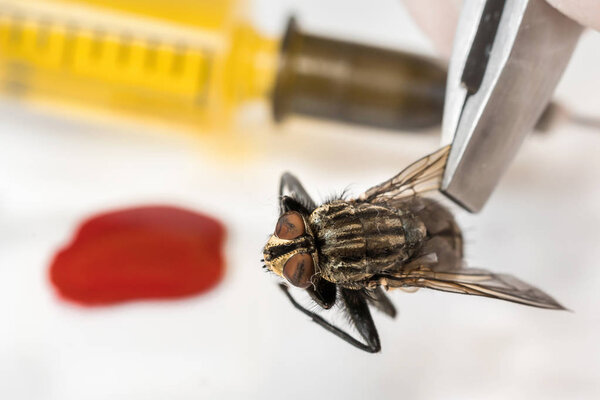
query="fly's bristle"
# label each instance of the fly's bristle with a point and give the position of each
(262, 260)
(267, 270)
(334, 197)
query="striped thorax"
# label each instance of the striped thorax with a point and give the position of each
(357, 240)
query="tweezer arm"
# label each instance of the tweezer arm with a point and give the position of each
(530, 51)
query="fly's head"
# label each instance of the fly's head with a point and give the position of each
(290, 251)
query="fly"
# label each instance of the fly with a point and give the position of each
(389, 237)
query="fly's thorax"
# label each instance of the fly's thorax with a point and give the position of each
(290, 252)
(356, 240)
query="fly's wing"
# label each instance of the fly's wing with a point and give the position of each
(421, 176)
(289, 185)
(476, 282)
(426, 175)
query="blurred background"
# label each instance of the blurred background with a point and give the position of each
(106, 105)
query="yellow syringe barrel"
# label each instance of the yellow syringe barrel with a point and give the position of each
(193, 62)
(183, 61)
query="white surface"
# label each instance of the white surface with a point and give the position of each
(244, 340)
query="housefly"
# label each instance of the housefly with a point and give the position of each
(390, 236)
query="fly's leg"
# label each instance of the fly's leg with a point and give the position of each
(289, 184)
(365, 326)
(358, 310)
(323, 293)
(378, 299)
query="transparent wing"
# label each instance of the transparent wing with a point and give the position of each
(421, 176)
(289, 185)
(476, 282)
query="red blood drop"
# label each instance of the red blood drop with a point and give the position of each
(151, 252)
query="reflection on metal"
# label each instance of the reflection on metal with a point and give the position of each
(527, 57)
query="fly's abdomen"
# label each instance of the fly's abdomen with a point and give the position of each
(358, 240)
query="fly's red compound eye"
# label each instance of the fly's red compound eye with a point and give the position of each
(299, 269)
(290, 226)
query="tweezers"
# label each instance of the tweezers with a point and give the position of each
(507, 59)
